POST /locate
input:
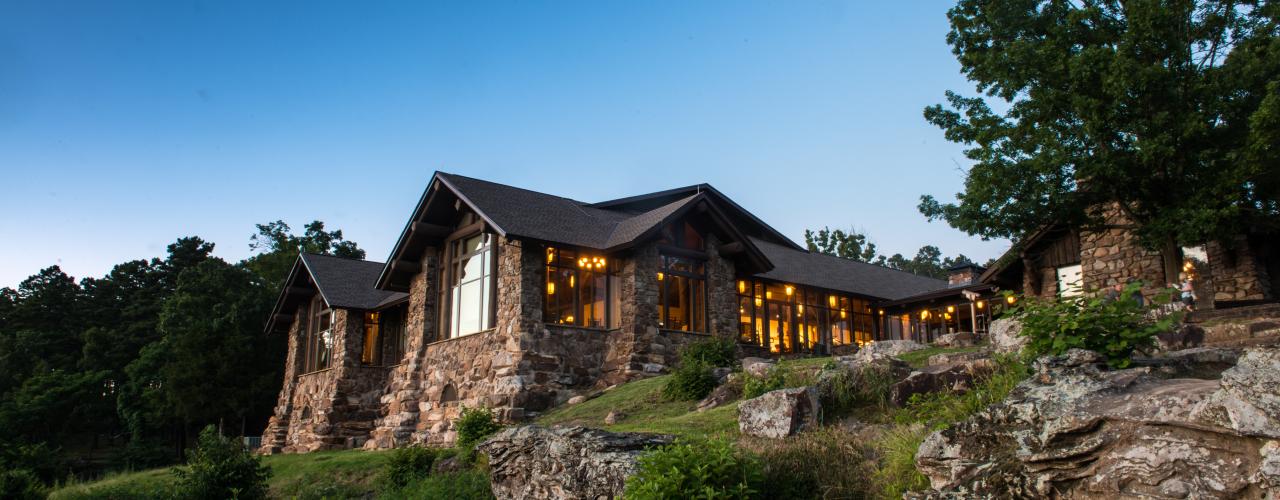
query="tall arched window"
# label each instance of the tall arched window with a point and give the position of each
(470, 291)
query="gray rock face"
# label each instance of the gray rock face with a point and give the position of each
(959, 339)
(1077, 430)
(947, 358)
(1006, 335)
(779, 413)
(757, 367)
(563, 462)
(956, 377)
(722, 394)
(886, 349)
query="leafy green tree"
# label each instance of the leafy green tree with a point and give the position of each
(219, 468)
(278, 248)
(851, 245)
(1168, 109)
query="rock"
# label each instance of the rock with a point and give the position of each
(1006, 336)
(959, 339)
(1078, 430)
(614, 417)
(721, 374)
(722, 394)
(957, 377)
(779, 413)
(947, 358)
(563, 462)
(1183, 336)
(886, 348)
(576, 399)
(757, 367)
(448, 464)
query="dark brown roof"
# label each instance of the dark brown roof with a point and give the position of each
(834, 273)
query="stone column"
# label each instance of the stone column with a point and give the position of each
(1237, 274)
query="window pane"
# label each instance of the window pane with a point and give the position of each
(469, 303)
(779, 327)
(370, 354)
(698, 303)
(746, 330)
(593, 299)
(678, 303)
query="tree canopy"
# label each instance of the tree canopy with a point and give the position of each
(855, 245)
(1169, 110)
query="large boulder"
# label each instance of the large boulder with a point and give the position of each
(757, 367)
(886, 349)
(1075, 429)
(779, 413)
(958, 339)
(723, 394)
(563, 462)
(1006, 336)
(957, 377)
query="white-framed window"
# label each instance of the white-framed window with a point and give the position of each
(1070, 283)
(470, 285)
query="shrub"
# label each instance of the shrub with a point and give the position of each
(696, 469)
(474, 425)
(220, 468)
(828, 462)
(1113, 327)
(692, 380)
(713, 352)
(470, 484)
(774, 379)
(20, 484)
(897, 473)
(407, 464)
(843, 390)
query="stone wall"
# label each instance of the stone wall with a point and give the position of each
(332, 408)
(1236, 272)
(1113, 255)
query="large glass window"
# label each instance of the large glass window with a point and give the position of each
(384, 339)
(682, 294)
(319, 338)
(787, 318)
(578, 289)
(470, 290)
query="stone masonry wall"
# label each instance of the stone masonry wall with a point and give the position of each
(275, 437)
(1237, 274)
(332, 408)
(1114, 255)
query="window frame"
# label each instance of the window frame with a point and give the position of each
(470, 228)
(665, 271)
(316, 309)
(577, 272)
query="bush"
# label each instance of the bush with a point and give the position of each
(464, 485)
(474, 425)
(692, 380)
(897, 473)
(1113, 327)
(712, 352)
(696, 469)
(407, 464)
(774, 379)
(20, 484)
(843, 390)
(220, 468)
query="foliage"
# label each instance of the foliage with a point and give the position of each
(406, 465)
(843, 390)
(20, 484)
(1114, 327)
(851, 245)
(691, 381)
(278, 248)
(775, 378)
(220, 467)
(646, 410)
(474, 425)
(937, 410)
(696, 469)
(715, 351)
(896, 473)
(828, 462)
(471, 484)
(1168, 109)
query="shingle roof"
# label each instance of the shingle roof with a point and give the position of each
(348, 283)
(834, 273)
(530, 214)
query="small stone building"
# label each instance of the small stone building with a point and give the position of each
(514, 300)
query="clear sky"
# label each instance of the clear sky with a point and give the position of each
(125, 125)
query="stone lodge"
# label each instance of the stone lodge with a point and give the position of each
(514, 300)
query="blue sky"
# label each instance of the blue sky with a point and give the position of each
(125, 125)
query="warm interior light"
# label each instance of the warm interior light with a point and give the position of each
(1010, 299)
(551, 288)
(924, 314)
(659, 276)
(742, 286)
(789, 289)
(801, 309)
(551, 255)
(568, 319)
(758, 301)
(768, 295)
(951, 309)
(946, 316)
(831, 300)
(980, 304)
(882, 312)
(843, 314)
(572, 281)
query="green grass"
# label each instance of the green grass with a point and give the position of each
(305, 475)
(918, 359)
(646, 410)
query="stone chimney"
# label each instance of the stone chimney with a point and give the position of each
(964, 273)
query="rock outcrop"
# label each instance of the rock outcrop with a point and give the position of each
(959, 339)
(757, 367)
(1006, 336)
(1078, 430)
(957, 377)
(886, 349)
(779, 413)
(563, 462)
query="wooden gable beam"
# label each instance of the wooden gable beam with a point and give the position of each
(429, 230)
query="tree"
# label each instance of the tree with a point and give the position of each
(851, 245)
(278, 248)
(1167, 110)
